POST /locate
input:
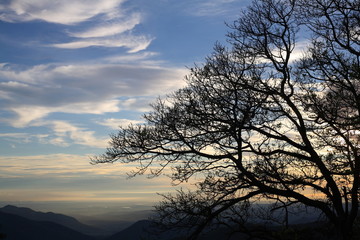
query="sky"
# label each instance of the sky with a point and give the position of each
(72, 71)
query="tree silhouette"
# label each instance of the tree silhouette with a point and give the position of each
(253, 124)
(2, 235)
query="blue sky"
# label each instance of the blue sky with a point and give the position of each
(72, 71)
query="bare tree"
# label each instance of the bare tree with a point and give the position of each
(253, 124)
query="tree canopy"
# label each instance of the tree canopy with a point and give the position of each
(257, 122)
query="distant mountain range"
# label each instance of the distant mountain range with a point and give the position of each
(143, 230)
(20, 223)
(61, 219)
(20, 228)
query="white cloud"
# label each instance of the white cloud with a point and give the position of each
(137, 58)
(111, 25)
(24, 77)
(22, 137)
(83, 87)
(75, 89)
(140, 103)
(116, 123)
(213, 7)
(78, 135)
(70, 177)
(27, 114)
(63, 134)
(50, 165)
(134, 43)
(90, 107)
(110, 29)
(16, 137)
(299, 50)
(63, 12)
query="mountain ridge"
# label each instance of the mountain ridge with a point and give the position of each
(19, 228)
(64, 220)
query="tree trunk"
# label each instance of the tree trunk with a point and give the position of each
(345, 229)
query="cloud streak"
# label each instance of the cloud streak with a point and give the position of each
(66, 12)
(64, 130)
(202, 8)
(70, 177)
(133, 43)
(110, 29)
(107, 24)
(83, 88)
(28, 100)
(114, 123)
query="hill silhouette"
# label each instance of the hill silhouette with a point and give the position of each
(134, 232)
(61, 219)
(20, 223)
(20, 228)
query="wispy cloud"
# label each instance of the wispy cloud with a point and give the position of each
(75, 84)
(64, 130)
(114, 123)
(133, 43)
(70, 177)
(110, 28)
(18, 166)
(27, 114)
(299, 50)
(213, 7)
(63, 134)
(22, 137)
(63, 12)
(28, 100)
(143, 58)
(106, 22)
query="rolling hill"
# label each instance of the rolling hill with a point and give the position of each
(20, 228)
(61, 219)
